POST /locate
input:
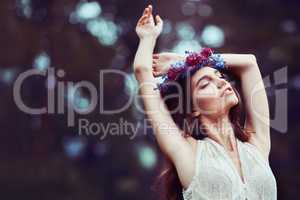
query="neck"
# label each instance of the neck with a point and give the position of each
(221, 130)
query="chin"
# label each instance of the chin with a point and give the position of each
(232, 101)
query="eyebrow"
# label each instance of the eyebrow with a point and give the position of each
(206, 77)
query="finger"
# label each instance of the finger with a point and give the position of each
(150, 9)
(155, 56)
(142, 19)
(148, 20)
(146, 11)
(151, 19)
(143, 16)
(155, 67)
(159, 21)
(156, 74)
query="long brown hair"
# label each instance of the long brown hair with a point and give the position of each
(167, 183)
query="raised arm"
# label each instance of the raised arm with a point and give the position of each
(169, 136)
(256, 103)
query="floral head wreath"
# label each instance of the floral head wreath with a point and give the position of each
(192, 62)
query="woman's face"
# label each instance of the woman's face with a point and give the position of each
(212, 93)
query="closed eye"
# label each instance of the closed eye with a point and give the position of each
(208, 79)
(203, 86)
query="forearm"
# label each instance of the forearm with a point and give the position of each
(239, 63)
(234, 61)
(143, 56)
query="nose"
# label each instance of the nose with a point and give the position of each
(221, 83)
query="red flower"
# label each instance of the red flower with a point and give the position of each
(201, 58)
(206, 52)
(192, 59)
(174, 72)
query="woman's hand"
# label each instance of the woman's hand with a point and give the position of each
(161, 63)
(146, 26)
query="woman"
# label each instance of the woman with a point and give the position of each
(230, 162)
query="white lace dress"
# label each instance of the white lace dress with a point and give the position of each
(217, 178)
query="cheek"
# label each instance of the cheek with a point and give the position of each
(207, 98)
(208, 93)
(208, 101)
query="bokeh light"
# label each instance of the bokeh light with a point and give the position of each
(24, 8)
(185, 31)
(188, 8)
(86, 11)
(131, 84)
(296, 82)
(183, 45)
(76, 98)
(213, 36)
(289, 26)
(42, 61)
(104, 30)
(7, 75)
(205, 10)
(74, 147)
(147, 157)
(167, 28)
